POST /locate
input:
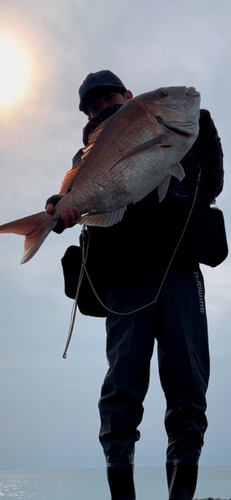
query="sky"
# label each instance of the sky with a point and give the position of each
(48, 413)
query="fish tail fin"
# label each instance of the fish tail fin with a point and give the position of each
(35, 228)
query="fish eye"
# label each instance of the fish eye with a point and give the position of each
(162, 93)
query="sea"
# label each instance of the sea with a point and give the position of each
(91, 484)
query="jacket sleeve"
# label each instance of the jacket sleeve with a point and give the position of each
(209, 155)
(76, 159)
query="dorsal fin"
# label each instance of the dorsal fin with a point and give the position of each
(92, 138)
(67, 181)
(71, 174)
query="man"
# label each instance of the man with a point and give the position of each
(132, 259)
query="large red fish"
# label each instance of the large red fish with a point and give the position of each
(133, 152)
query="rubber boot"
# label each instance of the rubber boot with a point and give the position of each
(182, 480)
(121, 482)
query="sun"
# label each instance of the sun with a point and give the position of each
(15, 73)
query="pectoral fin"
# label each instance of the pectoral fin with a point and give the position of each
(159, 141)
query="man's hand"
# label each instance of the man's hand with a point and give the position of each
(69, 215)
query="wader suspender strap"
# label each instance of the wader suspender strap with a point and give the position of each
(84, 270)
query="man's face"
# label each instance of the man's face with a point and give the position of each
(108, 99)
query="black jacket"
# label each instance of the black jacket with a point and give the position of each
(149, 231)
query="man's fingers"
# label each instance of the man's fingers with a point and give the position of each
(69, 216)
(76, 213)
(50, 208)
